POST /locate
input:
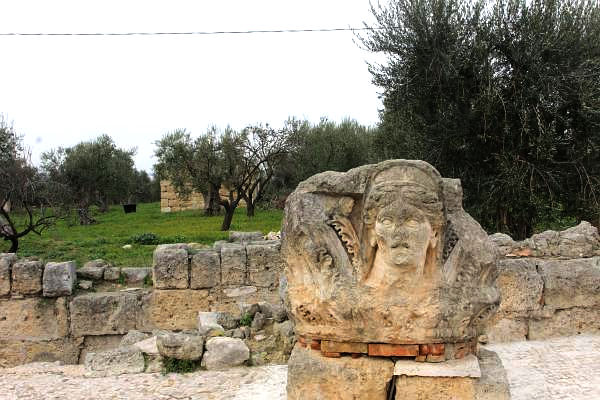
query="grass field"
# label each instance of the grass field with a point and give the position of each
(105, 239)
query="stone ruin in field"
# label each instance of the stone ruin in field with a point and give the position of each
(387, 274)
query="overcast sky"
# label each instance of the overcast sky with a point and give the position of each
(59, 91)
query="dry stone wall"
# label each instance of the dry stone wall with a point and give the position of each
(170, 201)
(550, 285)
(43, 318)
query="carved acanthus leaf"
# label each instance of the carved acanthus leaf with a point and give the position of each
(345, 231)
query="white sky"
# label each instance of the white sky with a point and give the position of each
(59, 91)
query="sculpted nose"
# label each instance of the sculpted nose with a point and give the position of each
(397, 239)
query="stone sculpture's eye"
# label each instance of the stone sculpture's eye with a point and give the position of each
(411, 223)
(387, 222)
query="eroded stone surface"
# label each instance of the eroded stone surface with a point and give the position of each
(180, 346)
(170, 268)
(59, 279)
(520, 285)
(224, 352)
(564, 323)
(6, 262)
(16, 352)
(124, 360)
(27, 277)
(571, 283)
(312, 376)
(205, 269)
(264, 263)
(385, 254)
(93, 270)
(465, 367)
(233, 264)
(33, 319)
(174, 309)
(106, 313)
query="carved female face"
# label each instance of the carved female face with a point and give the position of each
(403, 235)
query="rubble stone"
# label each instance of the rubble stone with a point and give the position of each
(224, 352)
(93, 270)
(59, 279)
(180, 346)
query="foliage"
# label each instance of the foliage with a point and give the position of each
(502, 94)
(173, 365)
(246, 319)
(241, 162)
(96, 172)
(29, 201)
(104, 240)
(144, 238)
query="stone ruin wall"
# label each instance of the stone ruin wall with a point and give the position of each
(550, 286)
(170, 201)
(42, 318)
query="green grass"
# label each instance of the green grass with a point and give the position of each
(105, 239)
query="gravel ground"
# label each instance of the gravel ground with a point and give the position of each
(557, 369)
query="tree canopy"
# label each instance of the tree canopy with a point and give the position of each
(502, 94)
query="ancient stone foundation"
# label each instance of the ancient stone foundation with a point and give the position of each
(45, 316)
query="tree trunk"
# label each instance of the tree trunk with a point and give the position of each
(85, 217)
(212, 201)
(14, 244)
(228, 218)
(249, 208)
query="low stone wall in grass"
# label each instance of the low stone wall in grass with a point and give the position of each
(43, 317)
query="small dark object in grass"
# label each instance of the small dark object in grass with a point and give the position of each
(179, 366)
(129, 208)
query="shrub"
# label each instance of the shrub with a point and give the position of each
(246, 320)
(179, 366)
(144, 238)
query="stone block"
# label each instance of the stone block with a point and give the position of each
(245, 237)
(571, 283)
(174, 309)
(520, 285)
(264, 264)
(106, 313)
(313, 377)
(135, 275)
(59, 279)
(565, 323)
(464, 367)
(180, 346)
(493, 384)
(170, 268)
(126, 360)
(112, 274)
(224, 352)
(205, 269)
(93, 270)
(98, 344)
(579, 241)
(6, 262)
(27, 277)
(505, 328)
(17, 352)
(34, 319)
(133, 336)
(233, 265)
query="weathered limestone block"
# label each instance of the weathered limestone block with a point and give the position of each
(208, 322)
(59, 279)
(6, 262)
(245, 237)
(133, 336)
(17, 352)
(135, 275)
(106, 313)
(493, 384)
(170, 268)
(34, 319)
(566, 323)
(231, 299)
(181, 346)
(224, 352)
(124, 360)
(579, 241)
(312, 376)
(93, 270)
(506, 328)
(264, 264)
(112, 274)
(233, 265)
(520, 285)
(503, 241)
(27, 277)
(385, 253)
(205, 269)
(99, 344)
(174, 309)
(571, 283)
